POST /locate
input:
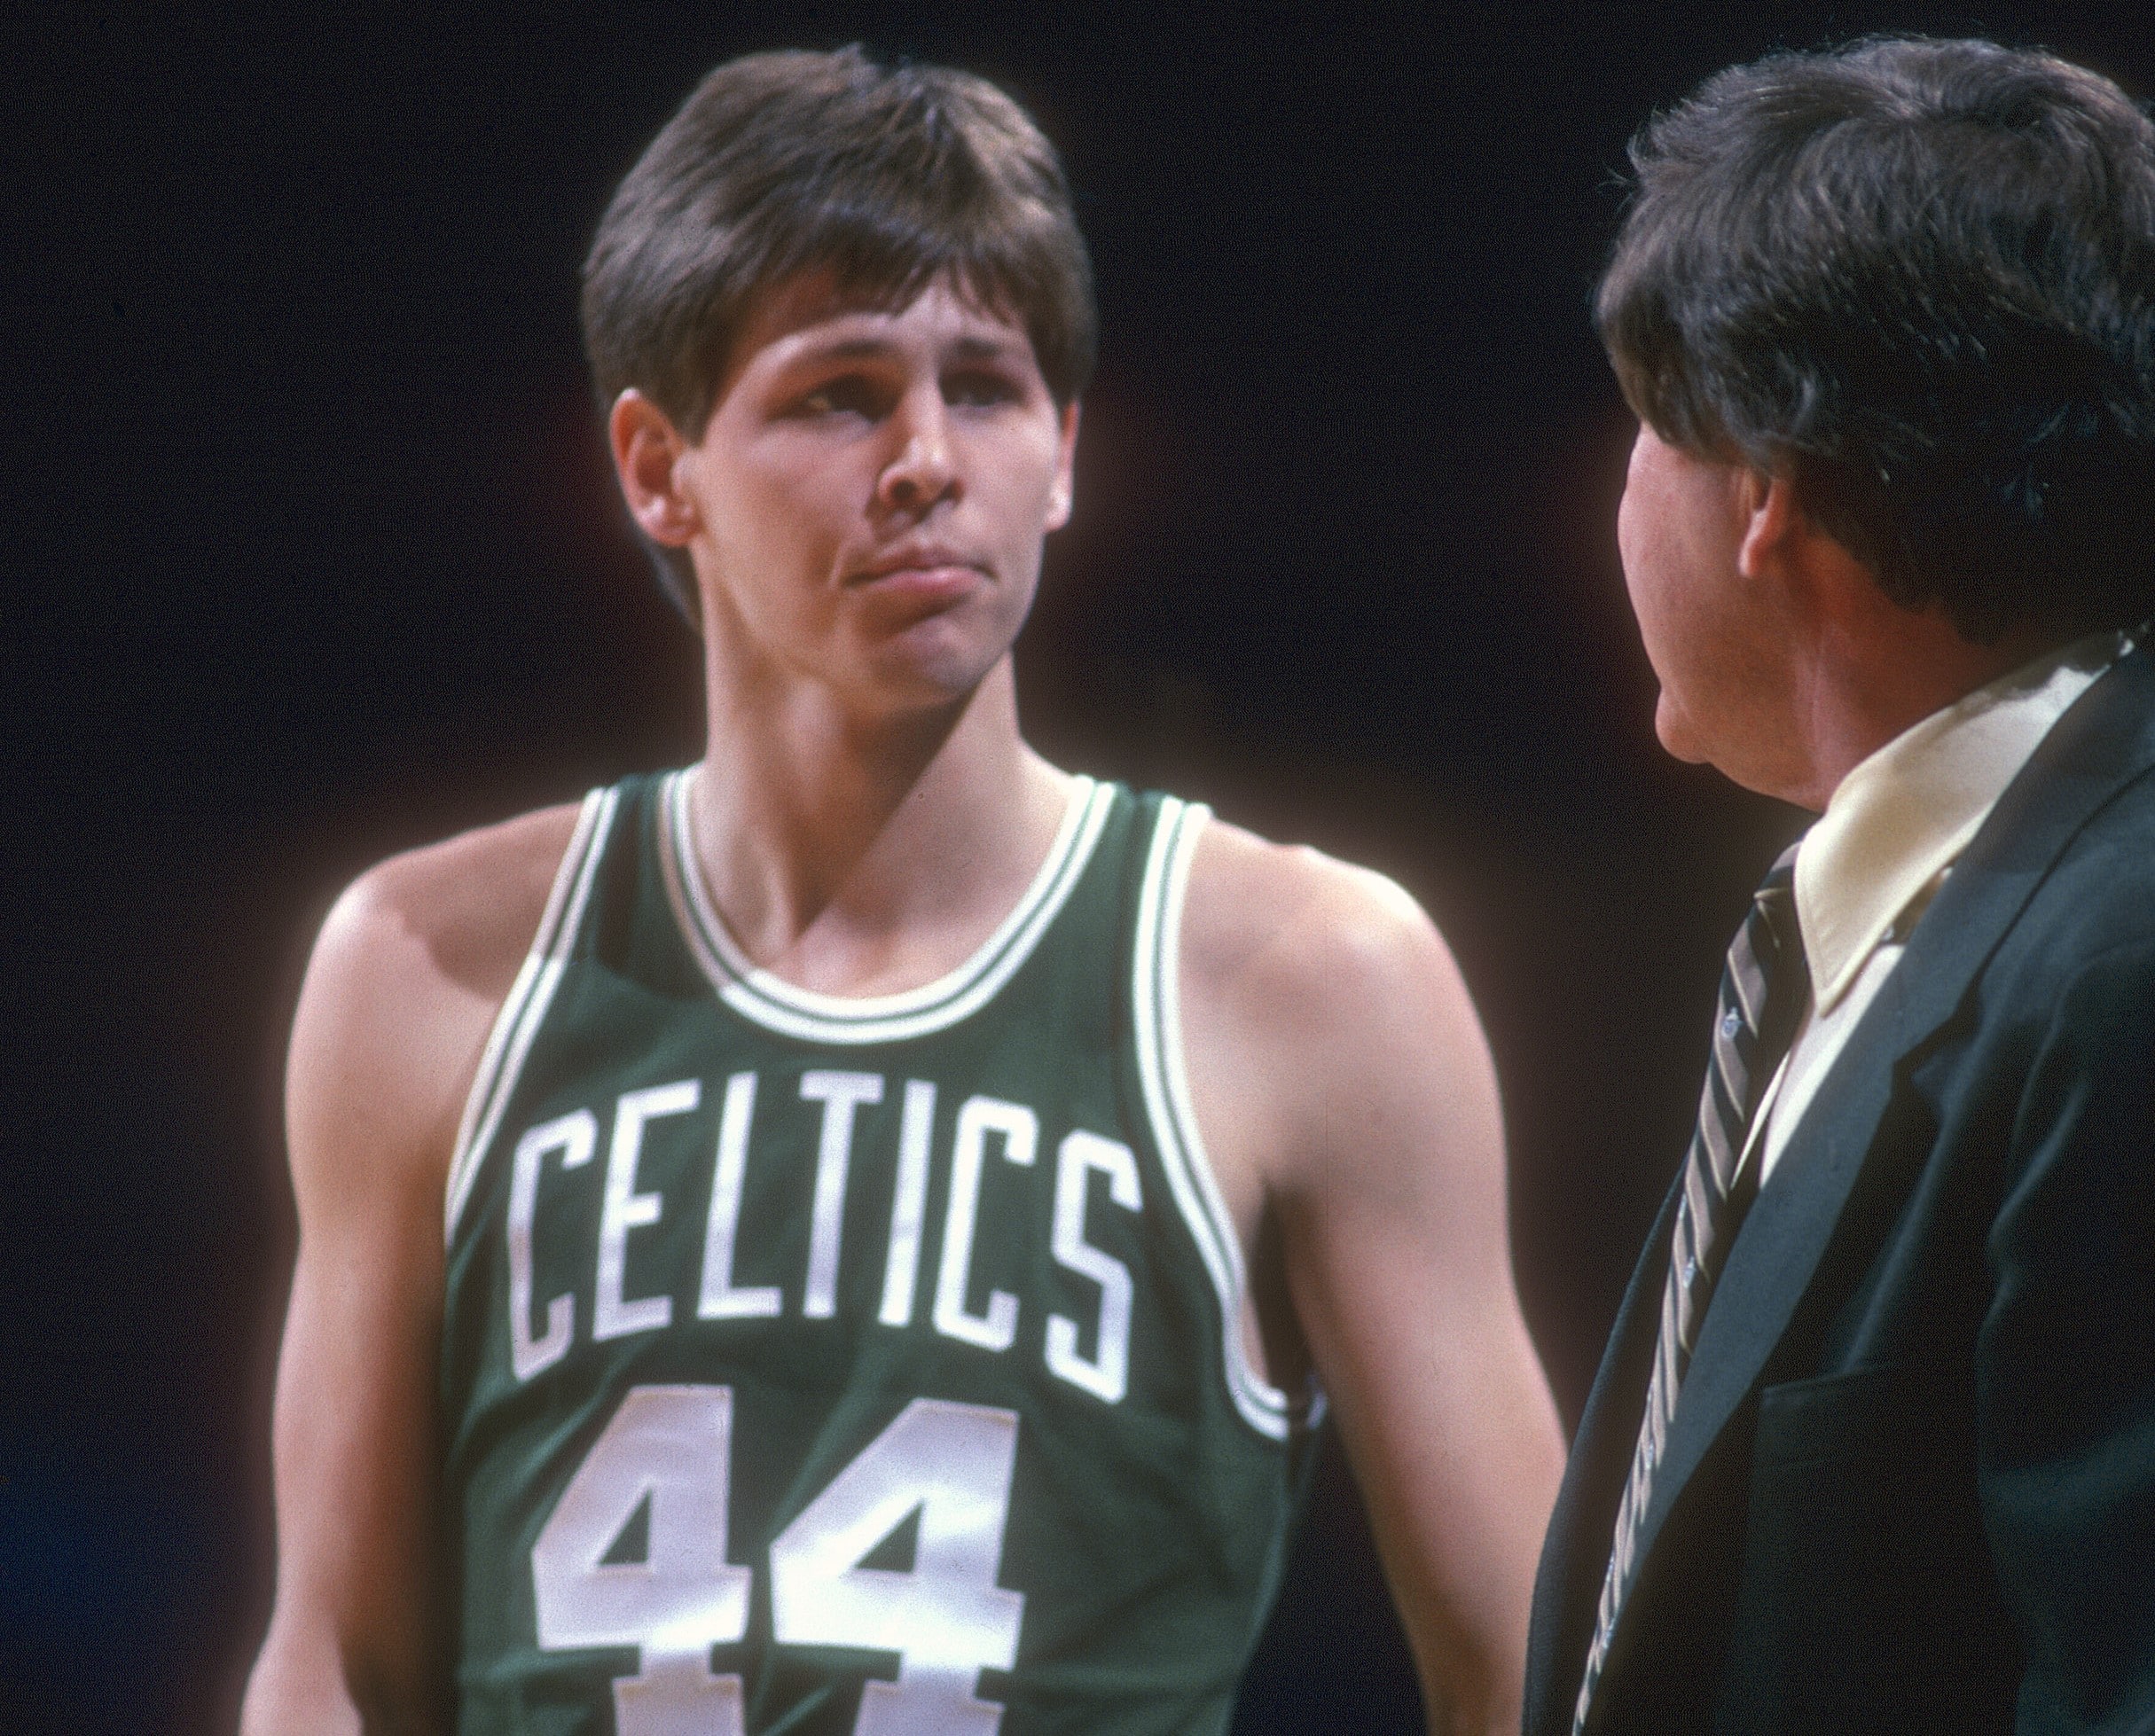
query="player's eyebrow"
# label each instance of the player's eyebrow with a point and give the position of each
(848, 349)
(982, 350)
(970, 348)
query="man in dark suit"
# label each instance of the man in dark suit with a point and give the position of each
(1873, 1445)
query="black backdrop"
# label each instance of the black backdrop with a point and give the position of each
(312, 556)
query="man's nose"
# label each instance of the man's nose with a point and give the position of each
(923, 470)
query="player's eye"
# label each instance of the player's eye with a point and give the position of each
(846, 394)
(981, 386)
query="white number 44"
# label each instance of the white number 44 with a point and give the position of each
(946, 1618)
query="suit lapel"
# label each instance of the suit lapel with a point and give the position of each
(2106, 738)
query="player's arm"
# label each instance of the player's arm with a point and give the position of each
(404, 983)
(1343, 1050)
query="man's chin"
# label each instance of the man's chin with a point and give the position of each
(1776, 774)
(1678, 739)
(925, 676)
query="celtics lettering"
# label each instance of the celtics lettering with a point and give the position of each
(991, 1143)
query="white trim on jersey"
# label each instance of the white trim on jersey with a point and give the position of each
(509, 1041)
(768, 1000)
(1165, 1082)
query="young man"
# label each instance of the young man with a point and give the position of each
(897, 1193)
(1873, 1447)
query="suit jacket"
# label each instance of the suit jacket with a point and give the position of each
(1909, 1485)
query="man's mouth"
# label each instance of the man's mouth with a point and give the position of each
(924, 571)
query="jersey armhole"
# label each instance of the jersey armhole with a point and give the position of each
(1164, 1080)
(509, 1041)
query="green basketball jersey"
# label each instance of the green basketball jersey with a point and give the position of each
(823, 1365)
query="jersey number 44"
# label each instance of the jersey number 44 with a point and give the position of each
(670, 1446)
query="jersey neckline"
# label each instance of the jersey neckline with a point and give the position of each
(766, 999)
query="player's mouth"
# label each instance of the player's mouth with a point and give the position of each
(924, 573)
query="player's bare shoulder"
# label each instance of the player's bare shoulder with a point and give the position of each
(1319, 988)
(411, 966)
(1290, 937)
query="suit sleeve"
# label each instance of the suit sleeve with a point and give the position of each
(2066, 1360)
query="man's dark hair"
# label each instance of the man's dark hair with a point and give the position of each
(1918, 278)
(887, 177)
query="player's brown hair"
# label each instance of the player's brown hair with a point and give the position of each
(888, 177)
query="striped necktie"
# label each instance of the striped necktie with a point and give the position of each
(1763, 990)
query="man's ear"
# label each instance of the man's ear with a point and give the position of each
(1775, 523)
(1784, 542)
(1059, 494)
(647, 449)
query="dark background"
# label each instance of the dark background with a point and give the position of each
(312, 555)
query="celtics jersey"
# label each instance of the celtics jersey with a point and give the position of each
(823, 1365)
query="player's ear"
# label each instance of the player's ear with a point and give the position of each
(1059, 494)
(646, 452)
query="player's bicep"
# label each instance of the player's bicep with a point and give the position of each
(354, 1420)
(1394, 1178)
(1399, 1261)
(354, 1490)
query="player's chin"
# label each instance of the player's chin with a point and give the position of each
(943, 651)
(933, 663)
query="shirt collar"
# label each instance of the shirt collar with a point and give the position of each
(1898, 820)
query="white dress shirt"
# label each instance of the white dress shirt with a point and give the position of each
(1869, 868)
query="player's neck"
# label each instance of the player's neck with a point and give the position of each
(864, 856)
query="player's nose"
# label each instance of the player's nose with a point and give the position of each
(923, 470)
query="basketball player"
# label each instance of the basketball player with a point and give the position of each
(852, 1235)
